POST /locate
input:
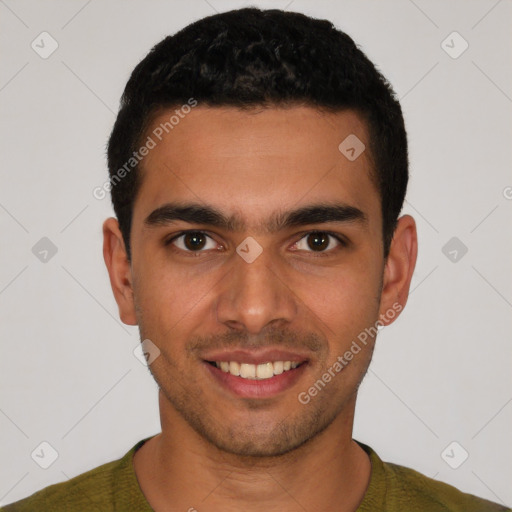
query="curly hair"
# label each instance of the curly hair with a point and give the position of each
(249, 58)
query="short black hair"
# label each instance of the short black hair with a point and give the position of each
(250, 58)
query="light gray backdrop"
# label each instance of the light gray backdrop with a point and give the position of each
(439, 389)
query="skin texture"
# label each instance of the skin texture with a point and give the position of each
(217, 450)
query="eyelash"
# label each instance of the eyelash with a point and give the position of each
(342, 241)
(337, 237)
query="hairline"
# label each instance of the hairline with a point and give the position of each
(256, 107)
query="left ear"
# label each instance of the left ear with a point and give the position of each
(398, 270)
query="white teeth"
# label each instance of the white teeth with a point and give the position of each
(248, 371)
(256, 371)
(234, 368)
(278, 367)
(265, 371)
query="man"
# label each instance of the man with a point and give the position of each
(258, 167)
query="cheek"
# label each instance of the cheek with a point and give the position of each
(170, 299)
(345, 301)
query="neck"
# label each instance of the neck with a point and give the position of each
(179, 470)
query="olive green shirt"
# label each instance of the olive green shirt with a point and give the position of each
(114, 487)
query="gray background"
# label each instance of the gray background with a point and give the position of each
(440, 374)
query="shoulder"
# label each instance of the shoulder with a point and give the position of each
(84, 492)
(96, 489)
(410, 487)
(403, 488)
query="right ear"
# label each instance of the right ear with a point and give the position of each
(119, 270)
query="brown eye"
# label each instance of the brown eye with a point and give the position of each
(194, 241)
(318, 241)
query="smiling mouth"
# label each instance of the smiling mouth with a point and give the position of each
(249, 371)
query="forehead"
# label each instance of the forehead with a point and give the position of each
(257, 161)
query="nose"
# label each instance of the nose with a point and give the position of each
(255, 295)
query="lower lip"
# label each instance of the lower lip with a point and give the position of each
(249, 388)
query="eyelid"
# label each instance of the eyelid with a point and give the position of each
(174, 237)
(343, 242)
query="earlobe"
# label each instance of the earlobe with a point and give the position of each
(399, 269)
(119, 270)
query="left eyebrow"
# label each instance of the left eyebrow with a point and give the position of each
(318, 214)
(196, 213)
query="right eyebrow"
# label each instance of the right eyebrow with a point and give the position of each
(193, 214)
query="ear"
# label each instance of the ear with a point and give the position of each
(119, 270)
(398, 270)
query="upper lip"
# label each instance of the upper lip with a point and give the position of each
(255, 356)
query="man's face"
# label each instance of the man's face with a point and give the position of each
(315, 286)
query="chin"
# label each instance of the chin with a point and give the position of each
(258, 441)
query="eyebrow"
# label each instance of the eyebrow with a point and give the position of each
(194, 213)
